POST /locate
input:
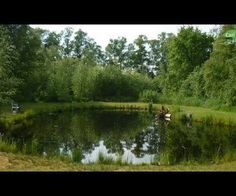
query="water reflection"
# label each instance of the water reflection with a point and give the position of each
(127, 156)
(134, 137)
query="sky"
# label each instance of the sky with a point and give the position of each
(103, 33)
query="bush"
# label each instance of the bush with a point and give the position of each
(108, 84)
(148, 96)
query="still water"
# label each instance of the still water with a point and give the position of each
(133, 137)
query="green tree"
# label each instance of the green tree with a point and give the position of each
(87, 49)
(65, 69)
(194, 85)
(219, 70)
(8, 59)
(52, 39)
(80, 42)
(159, 59)
(141, 58)
(67, 42)
(189, 49)
(67, 45)
(83, 82)
(116, 52)
(27, 43)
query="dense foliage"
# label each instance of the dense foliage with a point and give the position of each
(39, 65)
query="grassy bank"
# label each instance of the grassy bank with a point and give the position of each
(17, 162)
(225, 116)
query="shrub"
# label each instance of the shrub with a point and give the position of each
(148, 96)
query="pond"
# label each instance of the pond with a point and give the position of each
(132, 137)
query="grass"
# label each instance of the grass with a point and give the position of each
(7, 147)
(109, 160)
(103, 159)
(77, 155)
(208, 116)
(18, 162)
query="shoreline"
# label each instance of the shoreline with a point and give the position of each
(179, 112)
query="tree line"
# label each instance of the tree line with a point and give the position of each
(39, 65)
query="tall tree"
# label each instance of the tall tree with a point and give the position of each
(87, 49)
(8, 60)
(27, 44)
(80, 42)
(67, 42)
(141, 58)
(52, 39)
(189, 49)
(220, 69)
(116, 51)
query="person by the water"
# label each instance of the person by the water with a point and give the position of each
(163, 112)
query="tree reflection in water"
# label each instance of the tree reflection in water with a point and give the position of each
(133, 135)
